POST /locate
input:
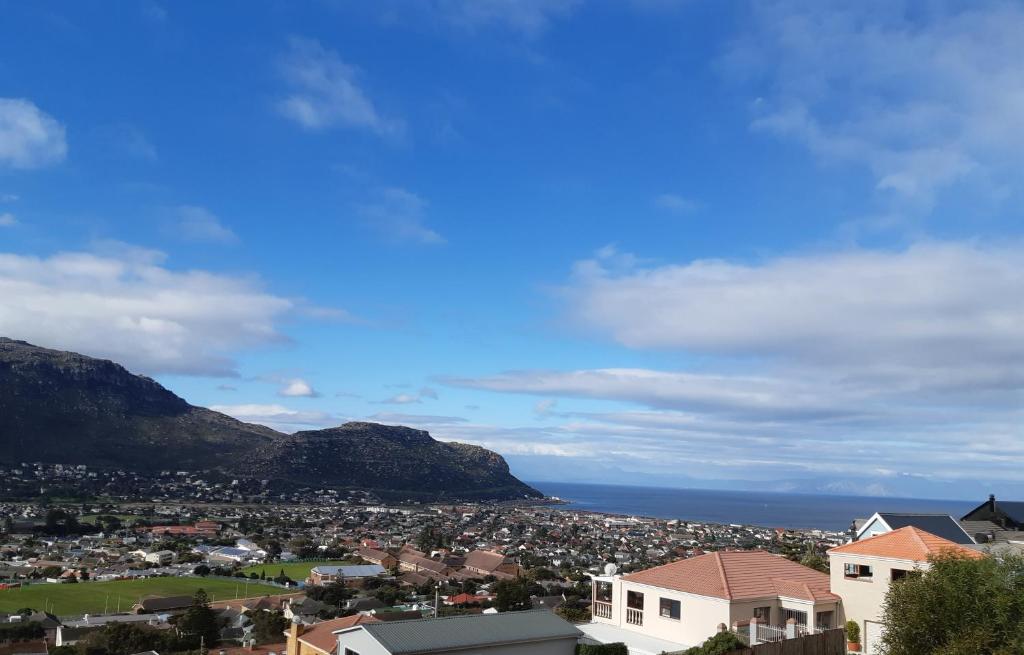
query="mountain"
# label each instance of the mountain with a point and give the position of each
(62, 407)
(390, 460)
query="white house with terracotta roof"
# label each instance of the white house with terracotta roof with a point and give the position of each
(861, 572)
(681, 604)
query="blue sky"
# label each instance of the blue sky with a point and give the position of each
(742, 245)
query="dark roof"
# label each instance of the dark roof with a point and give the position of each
(166, 603)
(466, 631)
(940, 525)
(995, 510)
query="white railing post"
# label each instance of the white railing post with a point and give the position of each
(790, 628)
(753, 631)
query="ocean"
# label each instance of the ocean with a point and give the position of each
(775, 510)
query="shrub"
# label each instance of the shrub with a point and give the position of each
(852, 632)
(602, 649)
(721, 644)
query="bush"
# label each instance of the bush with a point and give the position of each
(602, 649)
(721, 644)
(852, 632)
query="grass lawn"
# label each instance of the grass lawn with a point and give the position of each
(297, 571)
(92, 597)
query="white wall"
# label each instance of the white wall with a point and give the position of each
(863, 600)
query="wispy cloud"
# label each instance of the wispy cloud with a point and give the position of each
(924, 99)
(7, 219)
(409, 398)
(675, 203)
(325, 92)
(279, 417)
(400, 216)
(194, 223)
(29, 137)
(530, 18)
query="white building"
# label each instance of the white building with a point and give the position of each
(862, 571)
(682, 604)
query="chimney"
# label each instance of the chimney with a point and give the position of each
(992, 502)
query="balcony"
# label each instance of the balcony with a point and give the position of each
(634, 616)
(602, 610)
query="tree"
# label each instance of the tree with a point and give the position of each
(268, 626)
(721, 644)
(513, 596)
(389, 595)
(334, 594)
(125, 639)
(199, 621)
(202, 570)
(959, 606)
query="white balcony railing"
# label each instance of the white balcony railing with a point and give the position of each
(634, 616)
(602, 610)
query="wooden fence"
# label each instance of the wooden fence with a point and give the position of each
(830, 642)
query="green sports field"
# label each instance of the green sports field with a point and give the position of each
(93, 597)
(297, 571)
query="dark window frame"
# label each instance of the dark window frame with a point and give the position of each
(673, 606)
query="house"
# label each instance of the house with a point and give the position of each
(163, 605)
(485, 562)
(1009, 515)
(677, 605)
(354, 574)
(320, 638)
(940, 525)
(533, 632)
(861, 572)
(160, 557)
(374, 556)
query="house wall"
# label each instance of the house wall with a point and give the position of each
(699, 615)
(863, 599)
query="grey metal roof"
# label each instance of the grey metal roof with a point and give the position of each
(940, 525)
(351, 570)
(468, 631)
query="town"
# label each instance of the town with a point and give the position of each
(322, 561)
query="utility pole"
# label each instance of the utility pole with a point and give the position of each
(437, 599)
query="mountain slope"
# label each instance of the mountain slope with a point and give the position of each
(62, 407)
(390, 460)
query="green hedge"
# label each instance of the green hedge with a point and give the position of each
(602, 649)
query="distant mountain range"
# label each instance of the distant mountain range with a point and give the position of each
(63, 407)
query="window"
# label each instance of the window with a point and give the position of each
(603, 592)
(857, 572)
(634, 600)
(349, 651)
(823, 620)
(763, 614)
(899, 574)
(670, 609)
(799, 616)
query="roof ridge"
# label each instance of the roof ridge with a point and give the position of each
(721, 572)
(914, 530)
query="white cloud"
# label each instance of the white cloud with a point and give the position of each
(929, 305)
(297, 387)
(530, 18)
(896, 370)
(278, 417)
(402, 399)
(200, 224)
(923, 99)
(29, 137)
(675, 203)
(127, 306)
(7, 219)
(326, 94)
(399, 215)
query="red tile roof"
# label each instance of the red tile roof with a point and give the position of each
(909, 543)
(739, 575)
